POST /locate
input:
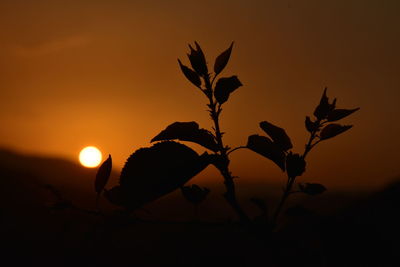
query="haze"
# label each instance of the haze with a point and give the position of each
(104, 73)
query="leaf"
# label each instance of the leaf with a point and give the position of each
(103, 175)
(192, 76)
(265, 147)
(224, 87)
(295, 165)
(338, 114)
(323, 109)
(188, 131)
(222, 60)
(153, 172)
(198, 60)
(331, 130)
(310, 125)
(312, 189)
(277, 134)
(195, 194)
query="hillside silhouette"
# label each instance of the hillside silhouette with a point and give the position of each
(363, 231)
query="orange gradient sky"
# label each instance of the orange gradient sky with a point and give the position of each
(104, 73)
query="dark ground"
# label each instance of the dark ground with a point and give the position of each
(341, 229)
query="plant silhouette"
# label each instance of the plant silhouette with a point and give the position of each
(152, 172)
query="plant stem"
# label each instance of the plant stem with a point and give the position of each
(230, 194)
(290, 182)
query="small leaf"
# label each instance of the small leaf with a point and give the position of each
(338, 114)
(310, 125)
(188, 131)
(323, 109)
(198, 60)
(265, 147)
(222, 60)
(224, 87)
(192, 76)
(103, 175)
(312, 189)
(195, 194)
(295, 165)
(277, 134)
(331, 130)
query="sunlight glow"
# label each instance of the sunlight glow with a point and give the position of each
(90, 157)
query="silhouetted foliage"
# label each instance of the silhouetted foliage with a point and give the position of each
(103, 175)
(150, 173)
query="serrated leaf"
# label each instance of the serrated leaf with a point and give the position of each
(312, 188)
(103, 175)
(191, 75)
(222, 60)
(331, 130)
(188, 131)
(224, 87)
(265, 147)
(198, 60)
(338, 114)
(277, 134)
(153, 172)
(323, 109)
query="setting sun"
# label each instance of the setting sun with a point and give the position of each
(90, 157)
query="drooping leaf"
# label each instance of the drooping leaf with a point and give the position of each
(188, 131)
(277, 134)
(153, 172)
(198, 60)
(295, 165)
(265, 147)
(310, 125)
(222, 60)
(331, 130)
(192, 76)
(195, 194)
(312, 188)
(323, 109)
(224, 87)
(103, 175)
(338, 114)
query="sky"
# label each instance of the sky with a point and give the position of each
(105, 73)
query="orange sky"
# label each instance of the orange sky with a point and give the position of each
(104, 73)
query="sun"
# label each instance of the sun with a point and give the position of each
(90, 157)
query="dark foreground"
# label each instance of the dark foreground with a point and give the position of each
(36, 231)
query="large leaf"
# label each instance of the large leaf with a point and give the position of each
(331, 130)
(188, 131)
(311, 126)
(153, 172)
(103, 174)
(222, 60)
(277, 134)
(265, 147)
(224, 87)
(338, 114)
(192, 76)
(195, 194)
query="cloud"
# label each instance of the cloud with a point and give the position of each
(51, 47)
